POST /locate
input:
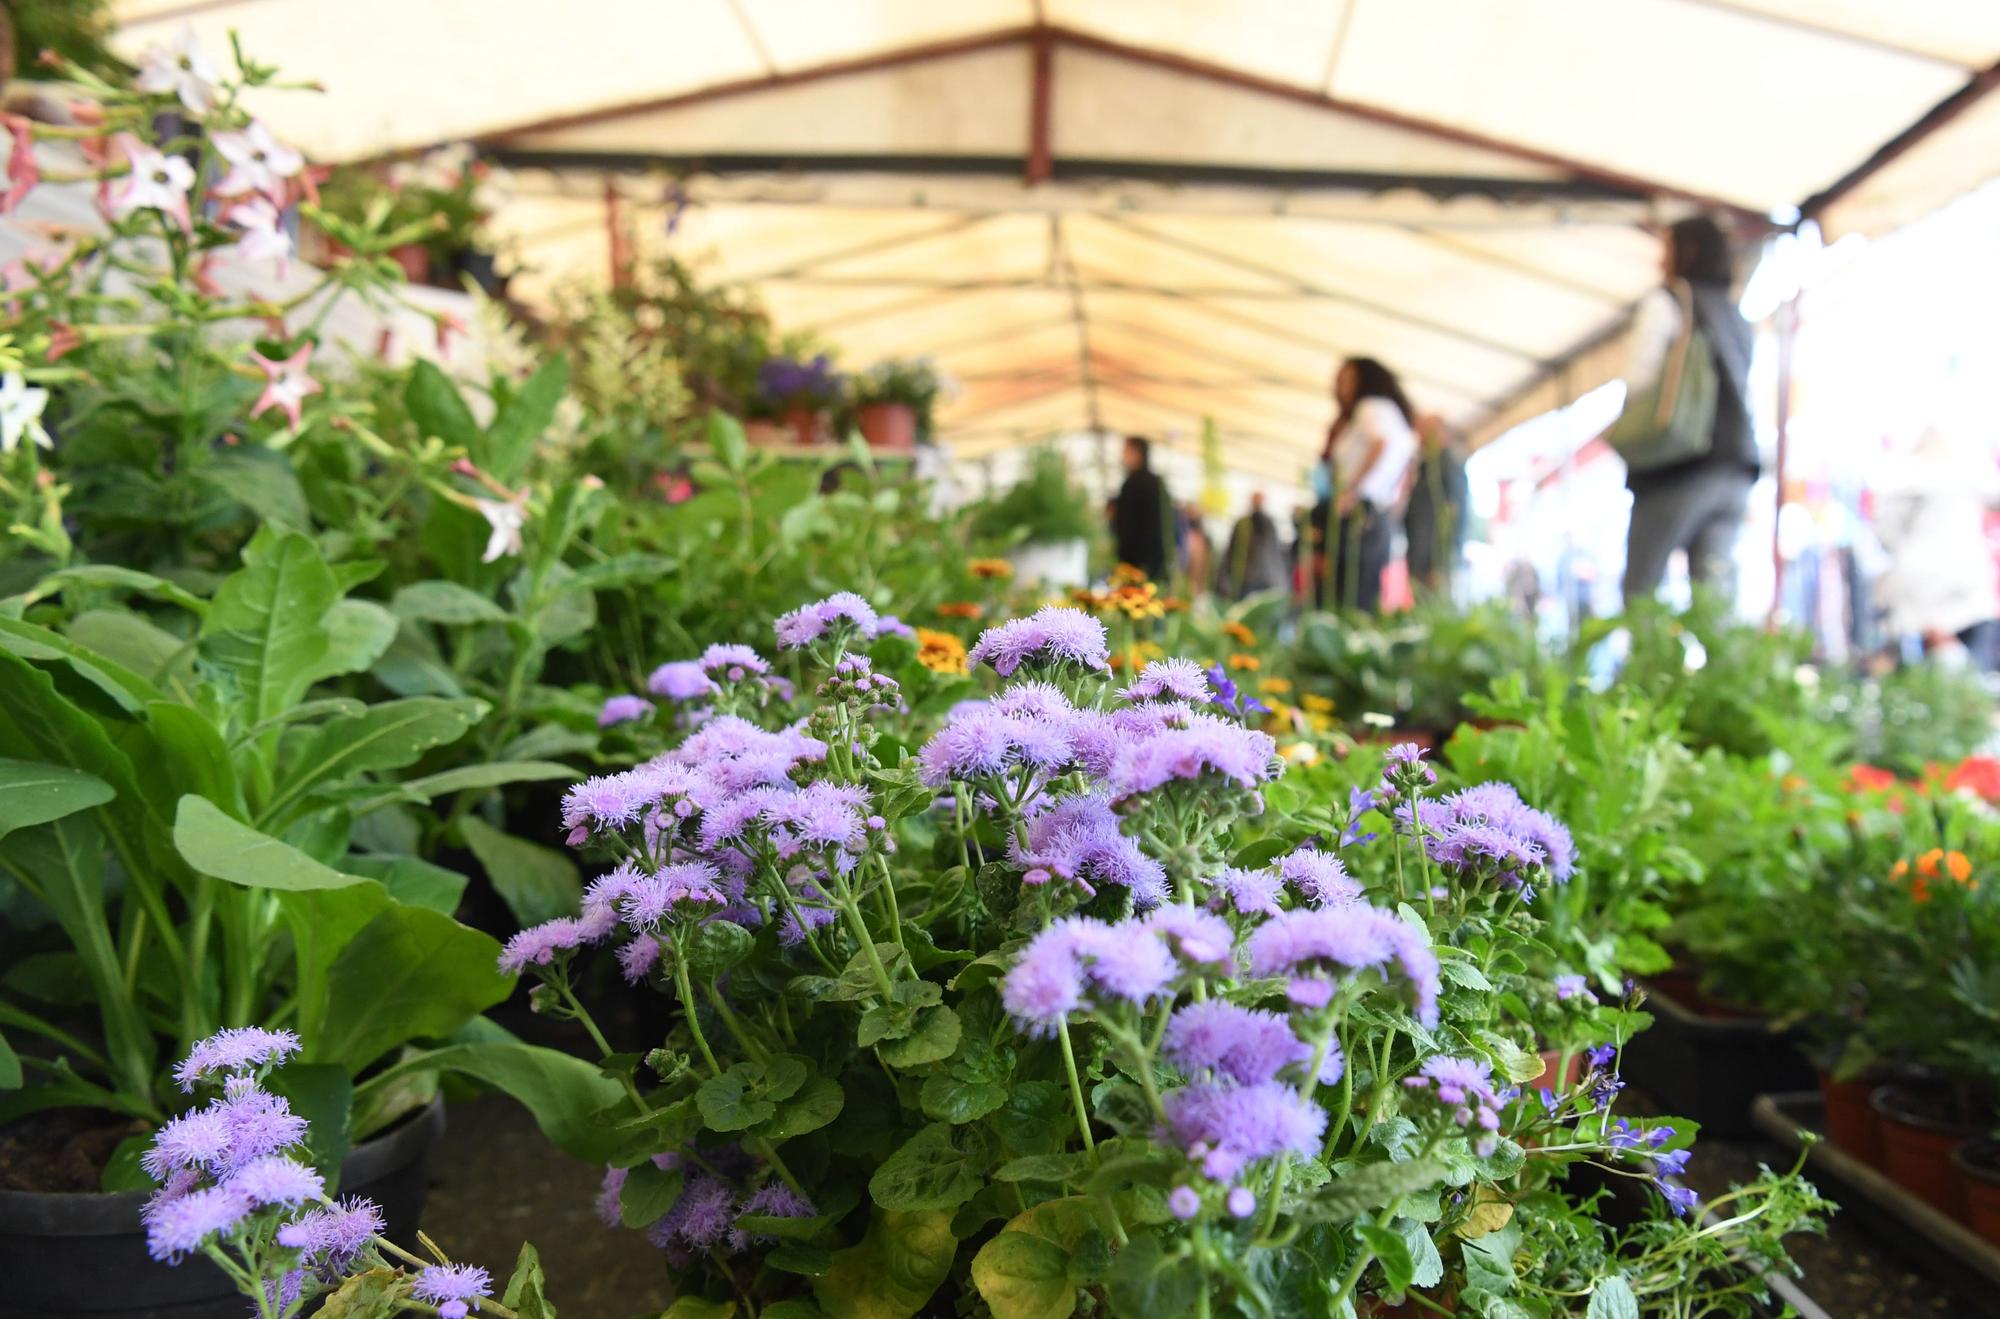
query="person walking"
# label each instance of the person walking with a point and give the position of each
(1930, 513)
(1139, 515)
(1697, 505)
(1369, 449)
(1434, 515)
(1256, 559)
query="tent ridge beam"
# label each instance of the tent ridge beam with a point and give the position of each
(1932, 121)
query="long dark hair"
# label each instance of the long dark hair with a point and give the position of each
(1701, 251)
(1371, 380)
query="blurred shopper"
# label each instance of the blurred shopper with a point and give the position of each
(1930, 513)
(1370, 449)
(1697, 505)
(1257, 558)
(1434, 516)
(1197, 554)
(1140, 513)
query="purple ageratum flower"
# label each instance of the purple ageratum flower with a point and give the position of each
(637, 958)
(1404, 767)
(1320, 877)
(235, 1049)
(680, 680)
(1170, 679)
(260, 1123)
(609, 1210)
(772, 1200)
(1206, 747)
(1193, 934)
(623, 710)
(676, 891)
(1075, 956)
(823, 814)
(808, 623)
(539, 945)
(196, 1140)
(891, 626)
(733, 663)
(1226, 1127)
(1051, 636)
(1488, 829)
(1464, 1085)
(276, 1180)
(177, 1227)
(1246, 892)
(1572, 986)
(283, 1292)
(1241, 1202)
(701, 1218)
(333, 1237)
(444, 1284)
(1303, 944)
(1078, 840)
(1029, 699)
(1245, 1045)
(1184, 1202)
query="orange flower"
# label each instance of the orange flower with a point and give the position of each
(1958, 866)
(1927, 864)
(1793, 783)
(1245, 662)
(960, 609)
(940, 652)
(1867, 778)
(1238, 633)
(1275, 686)
(997, 569)
(1900, 869)
(1127, 575)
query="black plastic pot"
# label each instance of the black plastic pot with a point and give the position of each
(1712, 1069)
(64, 1255)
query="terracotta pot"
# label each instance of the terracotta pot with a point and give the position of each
(415, 261)
(808, 426)
(764, 432)
(1917, 1149)
(1548, 1080)
(1850, 1119)
(888, 425)
(1978, 1165)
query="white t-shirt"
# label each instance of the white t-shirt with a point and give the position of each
(1374, 419)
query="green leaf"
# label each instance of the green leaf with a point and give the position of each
(894, 1270)
(716, 947)
(1056, 1169)
(409, 974)
(934, 1038)
(112, 577)
(730, 1102)
(725, 438)
(510, 440)
(1261, 853)
(1489, 1260)
(216, 845)
(488, 774)
(358, 633)
(797, 1257)
(537, 883)
(563, 1092)
(376, 1294)
(125, 1169)
(266, 628)
(10, 1066)
(1426, 1265)
(1612, 1298)
(32, 793)
(929, 1171)
(439, 601)
(950, 1098)
(323, 1095)
(1022, 1276)
(1391, 1253)
(438, 409)
(386, 736)
(694, 1307)
(262, 481)
(813, 1107)
(648, 1193)
(1147, 1281)
(1372, 1186)
(412, 882)
(152, 652)
(524, 1294)
(28, 642)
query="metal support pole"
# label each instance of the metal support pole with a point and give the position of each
(1787, 324)
(1041, 159)
(614, 233)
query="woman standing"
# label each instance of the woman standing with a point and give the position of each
(1697, 505)
(1369, 449)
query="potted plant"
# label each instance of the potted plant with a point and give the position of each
(1045, 523)
(801, 395)
(893, 402)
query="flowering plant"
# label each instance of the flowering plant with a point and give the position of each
(786, 384)
(1070, 1000)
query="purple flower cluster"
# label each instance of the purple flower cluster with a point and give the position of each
(235, 1049)
(330, 1239)
(1028, 735)
(1319, 877)
(730, 663)
(1246, 892)
(710, 1211)
(1244, 1045)
(854, 679)
(1170, 680)
(623, 710)
(1573, 986)
(1225, 1127)
(1078, 841)
(1312, 946)
(1202, 747)
(452, 1288)
(1487, 831)
(681, 680)
(1465, 1086)
(840, 614)
(1051, 637)
(1080, 961)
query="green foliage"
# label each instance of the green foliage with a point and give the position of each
(1044, 507)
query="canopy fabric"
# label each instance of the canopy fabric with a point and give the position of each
(1101, 214)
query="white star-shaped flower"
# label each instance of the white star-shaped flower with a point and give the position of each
(180, 67)
(21, 407)
(258, 162)
(506, 518)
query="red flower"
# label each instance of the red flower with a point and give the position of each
(1979, 775)
(1867, 778)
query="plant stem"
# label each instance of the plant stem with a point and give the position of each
(688, 1007)
(1076, 1089)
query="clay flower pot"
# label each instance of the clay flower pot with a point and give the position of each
(1850, 1119)
(808, 426)
(887, 425)
(1978, 1165)
(1917, 1147)
(1548, 1080)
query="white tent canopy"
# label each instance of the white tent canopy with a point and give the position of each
(1134, 214)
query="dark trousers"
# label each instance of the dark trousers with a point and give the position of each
(1357, 556)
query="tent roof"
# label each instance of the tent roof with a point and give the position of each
(1120, 215)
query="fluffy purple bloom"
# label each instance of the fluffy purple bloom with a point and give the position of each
(1404, 767)
(891, 626)
(200, 1139)
(733, 663)
(176, 1227)
(1030, 699)
(623, 710)
(702, 1216)
(1350, 938)
(824, 814)
(677, 890)
(772, 1200)
(1078, 954)
(281, 1293)
(609, 1211)
(441, 1284)
(1246, 1045)
(1205, 746)
(538, 944)
(808, 623)
(1570, 986)
(1247, 892)
(1196, 935)
(680, 680)
(1170, 679)
(1241, 1202)
(1184, 1202)
(260, 1123)
(333, 1237)
(1078, 840)
(236, 1049)
(1488, 830)
(276, 1180)
(1052, 635)
(1320, 877)
(1226, 1127)
(637, 958)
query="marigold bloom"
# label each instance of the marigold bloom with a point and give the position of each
(1275, 686)
(1238, 633)
(991, 569)
(1243, 663)
(961, 609)
(940, 652)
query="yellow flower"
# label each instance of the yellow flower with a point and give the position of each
(998, 569)
(1316, 703)
(940, 652)
(1275, 686)
(1301, 753)
(1238, 633)
(1127, 575)
(1249, 663)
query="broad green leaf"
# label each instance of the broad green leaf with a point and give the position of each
(409, 974)
(1489, 1260)
(266, 628)
(733, 1100)
(1612, 1298)
(130, 690)
(525, 1289)
(1261, 853)
(445, 602)
(151, 652)
(950, 1098)
(1147, 1281)
(32, 793)
(694, 1307)
(490, 774)
(815, 1105)
(934, 1038)
(438, 409)
(412, 881)
(323, 1095)
(262, 481)
(1372, 1186)
(510, 440)
(10, 1066)
(565, 1094)
(376, 1294)
(358, 633)
(411, 666)
(1021, 1276)
(893, 1272)
(647, 1194)
(725, 438)
(929, 1171)
(228, 849)
(386, 736)
(112, 577)
(537, 883)
(1392, 1254)
(186, 754)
